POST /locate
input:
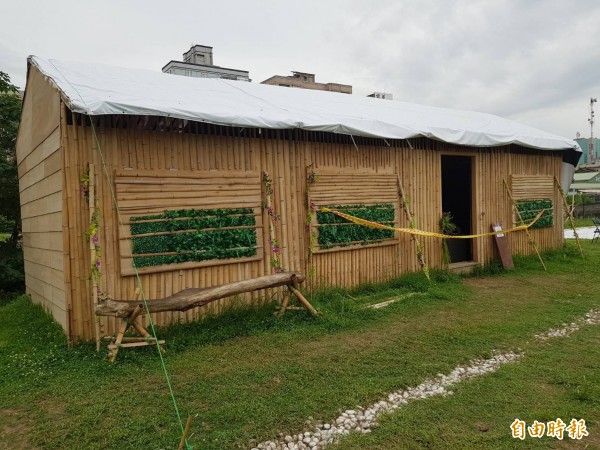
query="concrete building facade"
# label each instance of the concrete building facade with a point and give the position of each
(584, 143)
(305, 80)
(198, 62)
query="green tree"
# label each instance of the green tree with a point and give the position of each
(11, 255)
(10, 113)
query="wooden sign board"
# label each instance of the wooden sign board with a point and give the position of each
(503, 249)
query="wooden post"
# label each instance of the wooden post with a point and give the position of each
(411, 225)
(569, 214)
(529, 238)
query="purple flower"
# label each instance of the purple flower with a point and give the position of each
(95, 239)
(98, 263)
(276, 250)
(278, 269)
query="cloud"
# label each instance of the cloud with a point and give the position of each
(529, 59)
(504, 57)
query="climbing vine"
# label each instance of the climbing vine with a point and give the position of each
(92, 233)
(274, 218)
(186, 235)
(85, 183)
(335, 231)
(311, 209)
(529, 209)
(93, 229)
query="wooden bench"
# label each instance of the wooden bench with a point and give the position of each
(131, 310)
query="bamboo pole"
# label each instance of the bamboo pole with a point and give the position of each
(569, 214)
(112, 355)
(284, 305)
(529, 238)
(411, 225)
(186, 431)
(93, 253)
(303, 300)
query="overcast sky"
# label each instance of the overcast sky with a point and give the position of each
(537, 62)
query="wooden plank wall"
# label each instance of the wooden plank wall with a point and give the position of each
(39, 159)
(287, 161)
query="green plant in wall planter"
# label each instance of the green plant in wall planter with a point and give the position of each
(334, 230)
(529, 209)
(187, 235)
(311, 209)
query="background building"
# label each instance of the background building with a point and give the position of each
(382, 95)
(198, 62)
(307, 81)
(584, 144)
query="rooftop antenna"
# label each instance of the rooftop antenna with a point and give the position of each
(591, 158)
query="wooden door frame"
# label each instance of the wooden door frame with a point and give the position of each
(474, 194)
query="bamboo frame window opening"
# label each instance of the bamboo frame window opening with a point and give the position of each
(335, 231)
(531, 194)
(179, 220)
(369, 196)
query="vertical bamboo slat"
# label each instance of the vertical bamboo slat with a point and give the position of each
(285, 156)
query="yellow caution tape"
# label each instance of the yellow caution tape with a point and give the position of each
(368, 223)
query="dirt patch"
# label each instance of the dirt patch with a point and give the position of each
(14, 429)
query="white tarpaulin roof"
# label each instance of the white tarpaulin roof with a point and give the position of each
(97, 89)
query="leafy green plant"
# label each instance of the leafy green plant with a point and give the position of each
(529, 209)
(274, 218)
(193, 235)
(311, 209)
(581, 199)
(12, 273)
(447, 226)
(335, 231)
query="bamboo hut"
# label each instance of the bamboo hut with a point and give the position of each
(183, 182)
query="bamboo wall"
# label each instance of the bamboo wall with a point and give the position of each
(39, 159)
(287, 157)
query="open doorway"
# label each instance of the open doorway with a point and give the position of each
(457, 199)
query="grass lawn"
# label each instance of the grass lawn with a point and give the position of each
(580, 222)
(247, 376)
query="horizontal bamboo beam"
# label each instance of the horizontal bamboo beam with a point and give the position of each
(194, 297)
(192, 252)
(188, 230)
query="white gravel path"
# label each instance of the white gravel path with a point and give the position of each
(582, 233)
(362, 420)
(591, 318)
